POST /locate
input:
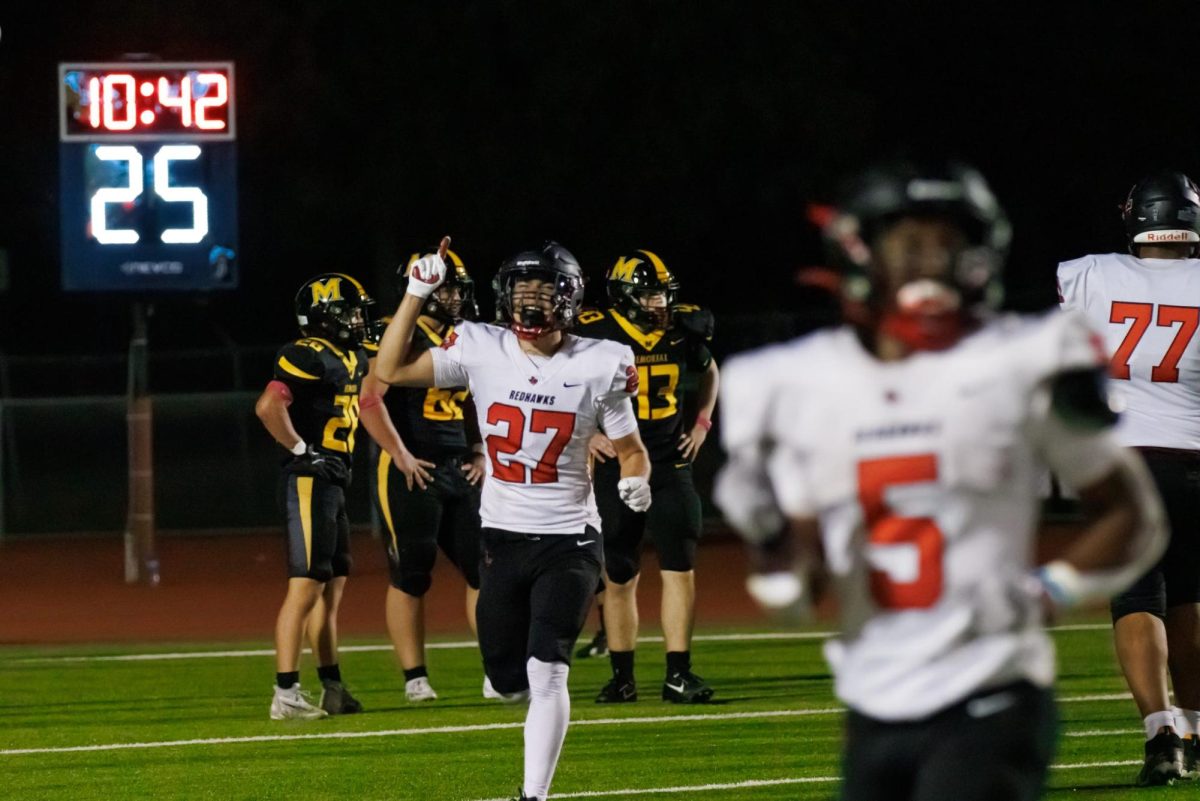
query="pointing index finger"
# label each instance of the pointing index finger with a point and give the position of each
(444, 246)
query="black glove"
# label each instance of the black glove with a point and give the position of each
(693, 321)
(319, 465)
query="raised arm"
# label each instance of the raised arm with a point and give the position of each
(396, 363)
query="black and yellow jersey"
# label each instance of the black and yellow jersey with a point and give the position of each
(325, 382)
(662, 358)
(429, 421)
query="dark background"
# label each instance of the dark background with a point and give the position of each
(698, 130)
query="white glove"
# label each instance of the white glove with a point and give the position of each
(426, 274)
(635, 493)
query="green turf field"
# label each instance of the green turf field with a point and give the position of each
(76, 727)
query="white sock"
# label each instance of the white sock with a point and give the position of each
(1156, 720)
(545, 724)
(1187, 722)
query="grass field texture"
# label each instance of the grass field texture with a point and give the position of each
(191, 722)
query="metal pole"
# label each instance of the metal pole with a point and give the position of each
(141, 555)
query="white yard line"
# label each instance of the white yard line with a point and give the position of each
(350, 735)
(750, 783)
(461, 644)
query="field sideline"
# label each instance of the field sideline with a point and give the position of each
(190, 722)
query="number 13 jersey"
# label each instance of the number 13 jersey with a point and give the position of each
(536, 416)
(923, 475)
(1148, 310)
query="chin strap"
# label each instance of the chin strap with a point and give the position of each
(925, 331)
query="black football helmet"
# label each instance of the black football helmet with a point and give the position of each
(1162, 208)
(552, 263)
(635, 277)
(465, 308)
(931, 312)
(336, 307)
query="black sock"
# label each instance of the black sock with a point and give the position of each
(679, 662)
(622, 664)
(285, 681)
(419, 672)
(329, 672)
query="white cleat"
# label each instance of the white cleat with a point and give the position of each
(489, 692)
(294, 704)
(418, 689)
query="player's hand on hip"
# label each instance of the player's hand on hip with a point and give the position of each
(428, 272)
(601, 448)
(474, 468)
(414, 469)
(690, 442)
(635, 493)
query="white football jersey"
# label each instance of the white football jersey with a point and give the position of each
(923, 476)
(535, 419)
(1148, 311)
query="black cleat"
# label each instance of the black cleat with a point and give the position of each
(686, 688)
(595, 649)
(1191, 757)
(618, 692)
(1164, 760)
(520, 796)
(337, 700)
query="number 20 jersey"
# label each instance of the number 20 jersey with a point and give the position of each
(325, 382)
(535, 420)
(923, 476)
(1148, 310)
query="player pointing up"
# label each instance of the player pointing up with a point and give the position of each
(541, 393)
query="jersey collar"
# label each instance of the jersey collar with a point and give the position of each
(646, 340)
(434, 337)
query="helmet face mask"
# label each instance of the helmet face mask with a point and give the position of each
(635, 284)
(445, 305)
(922, 249)
(539, 291)
(1163, 209)
(336, 307)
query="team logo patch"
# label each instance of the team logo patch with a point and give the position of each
(449, 341)
(631, 380)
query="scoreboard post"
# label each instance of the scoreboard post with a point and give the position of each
(147, 206)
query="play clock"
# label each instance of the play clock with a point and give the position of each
(148, 176)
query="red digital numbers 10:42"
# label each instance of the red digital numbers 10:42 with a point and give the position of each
(114, 100)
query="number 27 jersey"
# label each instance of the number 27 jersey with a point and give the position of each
(535, 420)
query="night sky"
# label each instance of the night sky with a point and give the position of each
(698, 130)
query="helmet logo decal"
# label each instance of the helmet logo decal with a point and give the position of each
(623, 269)
(324, 291)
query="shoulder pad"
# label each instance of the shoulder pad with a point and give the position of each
(314, 344)
(693, 320)
(589, 316)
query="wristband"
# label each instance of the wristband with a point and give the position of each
(300, 448)
(704, 422)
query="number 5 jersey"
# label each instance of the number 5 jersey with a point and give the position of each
(1148, 310)
(536, 416)
(923, 475)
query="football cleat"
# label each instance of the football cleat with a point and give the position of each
(418, 689)
(337, 700)
(294, 704)
(520, 796)
(618, 692)
(686, 688)
(1164, 760)
(489, 692)
(595, 649)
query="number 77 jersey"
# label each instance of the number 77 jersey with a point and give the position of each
(535, 419)
(1149, 312)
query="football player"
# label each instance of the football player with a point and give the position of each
(670, 346)
(904, 450)
(311, 409)
(541, 393)
(1147, 303)
(427, 490)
